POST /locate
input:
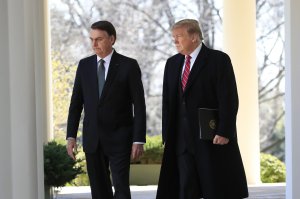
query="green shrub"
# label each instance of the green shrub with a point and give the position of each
(153, 151)
(59, 168)
(271, 169)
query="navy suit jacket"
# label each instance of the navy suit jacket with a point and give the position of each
(118, 118)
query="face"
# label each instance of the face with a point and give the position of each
(101, 42)
(184, 42)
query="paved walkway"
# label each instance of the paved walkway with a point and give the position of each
(264, 191)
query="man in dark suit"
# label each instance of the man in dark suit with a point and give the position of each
(199, 77)
(108, 87)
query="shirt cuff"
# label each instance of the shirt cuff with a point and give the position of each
(138, 142)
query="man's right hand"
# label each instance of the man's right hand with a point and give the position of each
(71, 147)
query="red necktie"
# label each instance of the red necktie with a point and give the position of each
(186, 71)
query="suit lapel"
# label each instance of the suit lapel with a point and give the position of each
(92, 74)
(199, 63)
(112, 71)
(176, 71)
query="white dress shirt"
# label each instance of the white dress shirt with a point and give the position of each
(193, 55)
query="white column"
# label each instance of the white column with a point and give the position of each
(23, 106)
(5, 137)
(240, 43)
(292, 98)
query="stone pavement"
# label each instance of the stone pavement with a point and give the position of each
(263, 191)
(137, 192)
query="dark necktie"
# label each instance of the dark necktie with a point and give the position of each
(101, 76)
(186, 72)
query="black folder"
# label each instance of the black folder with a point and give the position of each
(208, 123)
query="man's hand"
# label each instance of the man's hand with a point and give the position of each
(220, 140)
(71, 147)
(137, 151)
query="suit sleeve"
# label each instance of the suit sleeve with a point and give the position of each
(227, 97)
(138, 100)
(76, 106)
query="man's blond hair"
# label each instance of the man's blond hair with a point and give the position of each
(192, 26)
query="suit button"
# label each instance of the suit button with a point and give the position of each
(183, 102)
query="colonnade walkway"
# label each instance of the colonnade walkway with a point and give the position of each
(263, 191)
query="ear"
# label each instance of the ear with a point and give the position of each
(193, 38)
(112, 39)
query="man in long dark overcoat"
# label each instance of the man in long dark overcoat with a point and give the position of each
(199, 77)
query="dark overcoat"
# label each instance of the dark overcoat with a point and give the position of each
(211, 84)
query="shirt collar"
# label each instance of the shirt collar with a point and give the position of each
(195, 53)
(107, 58)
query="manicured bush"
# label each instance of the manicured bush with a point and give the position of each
(271, 169)
(59, 168)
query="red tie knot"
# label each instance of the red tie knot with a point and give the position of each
(188, 57)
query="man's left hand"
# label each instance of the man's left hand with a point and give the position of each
(137, 151)
(220, 140)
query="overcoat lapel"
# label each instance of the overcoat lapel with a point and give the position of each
(199, 63)
(176, 76)
(112, 71)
